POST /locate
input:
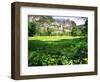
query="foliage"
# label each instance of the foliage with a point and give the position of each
(74, 31)
(85, 29)
(31, 28)
(57, 50)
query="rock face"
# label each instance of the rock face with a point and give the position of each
(32, 18)
(65, 25)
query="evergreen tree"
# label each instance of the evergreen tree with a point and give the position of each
(74, 31)
(85, 29)
(31, 28)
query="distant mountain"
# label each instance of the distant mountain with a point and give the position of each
(60, 21)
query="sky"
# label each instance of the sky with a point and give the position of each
(77, 20)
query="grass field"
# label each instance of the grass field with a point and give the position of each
(52, 38)
(57, 50)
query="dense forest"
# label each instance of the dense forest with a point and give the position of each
(56, 41)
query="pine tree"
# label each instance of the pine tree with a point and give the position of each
(74, 31)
